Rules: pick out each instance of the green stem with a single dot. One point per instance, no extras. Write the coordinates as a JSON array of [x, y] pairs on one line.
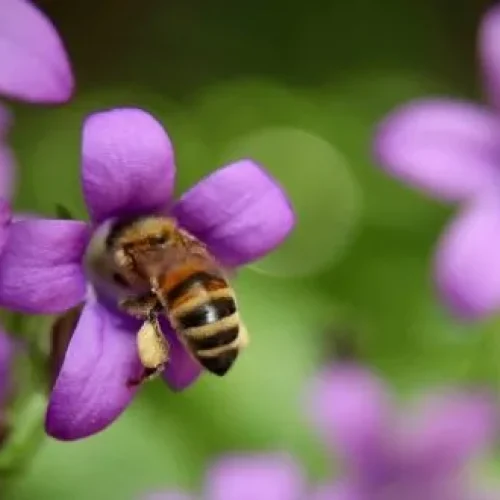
[[485, 363], [25, 412], [25, 436]]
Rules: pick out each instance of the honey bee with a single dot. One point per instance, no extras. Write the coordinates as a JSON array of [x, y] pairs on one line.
[[165, 270]]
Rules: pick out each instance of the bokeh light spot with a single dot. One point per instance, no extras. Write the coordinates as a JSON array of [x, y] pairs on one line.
[[325, 196]]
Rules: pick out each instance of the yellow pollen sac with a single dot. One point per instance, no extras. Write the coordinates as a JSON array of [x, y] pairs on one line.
[[152, 346]]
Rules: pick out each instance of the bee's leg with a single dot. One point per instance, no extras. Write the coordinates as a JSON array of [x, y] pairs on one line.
[[153, 349], [157, 294], [140, 307]]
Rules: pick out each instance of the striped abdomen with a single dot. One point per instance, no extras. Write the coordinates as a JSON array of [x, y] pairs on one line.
[[202, 308]]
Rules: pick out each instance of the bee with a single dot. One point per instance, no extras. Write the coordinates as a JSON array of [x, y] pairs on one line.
[[168, 271]]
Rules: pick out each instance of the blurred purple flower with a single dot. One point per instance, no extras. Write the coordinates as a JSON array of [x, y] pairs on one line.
[[7, 163], [390, 457], [385, 456], [6, 355], [5, 221], [34, 65], [7, 176], [7, 172], [248, 477], [128, 168], [6, 352], [34, 68], [451, 150]]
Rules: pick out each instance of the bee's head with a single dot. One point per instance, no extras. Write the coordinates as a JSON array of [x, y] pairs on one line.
[[146, 246]]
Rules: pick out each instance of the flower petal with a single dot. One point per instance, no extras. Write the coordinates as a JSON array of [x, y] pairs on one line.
[[35, 67], [7, 172], [482, 492], [92, 389], [128, 164], [467, 266], [489, 53], [7, 161], [239, 211], [182, 370], [6, 352], [20, 216], [40, 269], [449, 149], [265, 477], [5, 222], [5, 122], [452, 429], [351, 408], [339, 491]]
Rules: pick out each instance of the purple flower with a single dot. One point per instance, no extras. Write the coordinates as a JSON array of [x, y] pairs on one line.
[[250, 477], [6, 352], [385, 456], [451, 150], [34, 65], [34, 68], [388, 456], [6, 355], [7, 176], [7, 163], [7, 170], [239, 211]]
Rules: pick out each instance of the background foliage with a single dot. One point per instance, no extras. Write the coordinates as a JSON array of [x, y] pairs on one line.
[[300, 88]]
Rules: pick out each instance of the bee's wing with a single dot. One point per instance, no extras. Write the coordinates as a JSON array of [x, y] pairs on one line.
[[229, 272], [197, 248]]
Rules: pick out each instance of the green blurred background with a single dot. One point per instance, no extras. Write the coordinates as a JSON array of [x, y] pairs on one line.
[[298, 87]]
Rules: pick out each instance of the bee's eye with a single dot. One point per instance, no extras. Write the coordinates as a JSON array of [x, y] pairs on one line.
[[119, 279], [157, 240]]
